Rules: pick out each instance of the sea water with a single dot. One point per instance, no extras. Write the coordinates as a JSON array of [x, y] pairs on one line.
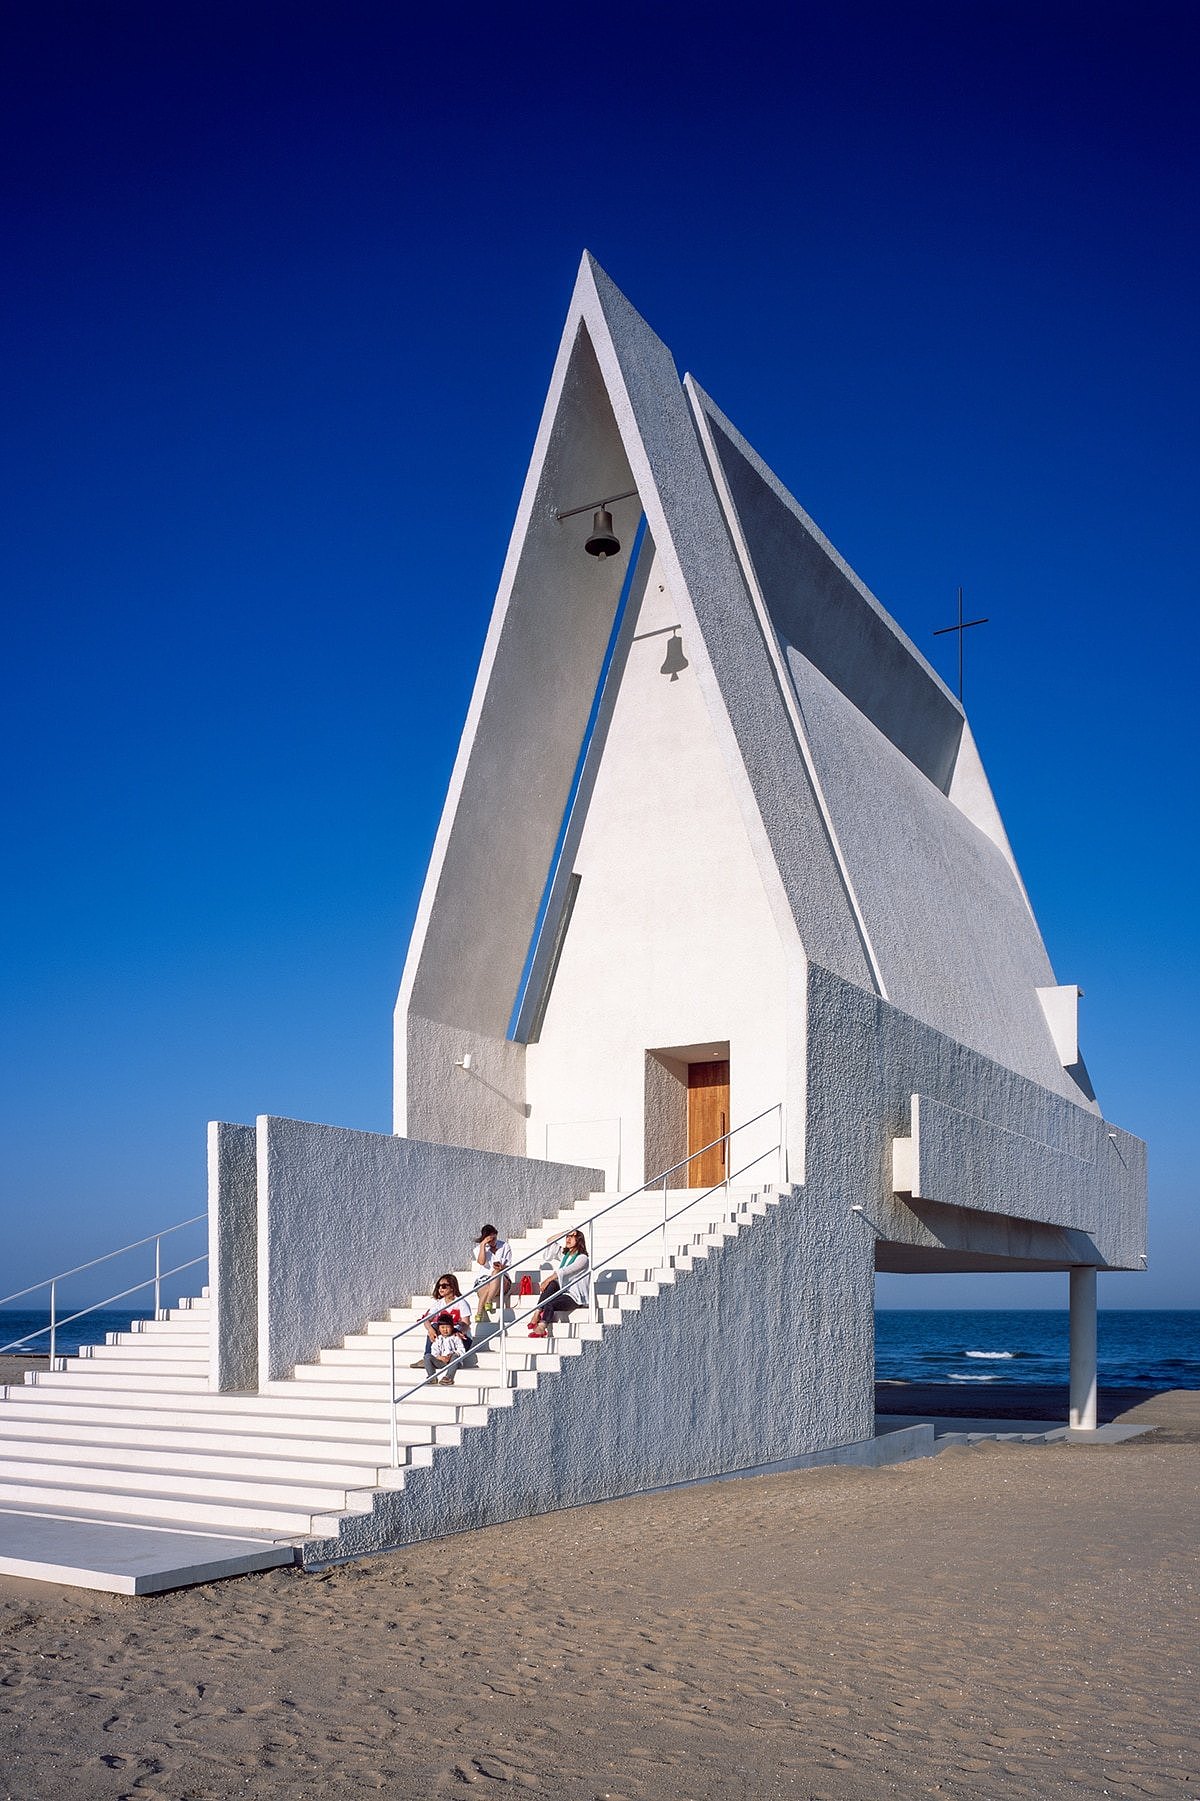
[[1156, 1349], [1136, 1349], [17, 1323]]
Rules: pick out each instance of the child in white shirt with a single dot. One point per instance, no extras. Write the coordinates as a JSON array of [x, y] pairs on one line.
[[442, 1352], [447, 1299]]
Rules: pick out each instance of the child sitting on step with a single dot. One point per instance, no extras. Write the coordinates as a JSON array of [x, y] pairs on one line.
[[442, 1353]]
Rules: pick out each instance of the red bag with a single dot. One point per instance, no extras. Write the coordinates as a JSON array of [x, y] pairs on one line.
[[526, 1285]]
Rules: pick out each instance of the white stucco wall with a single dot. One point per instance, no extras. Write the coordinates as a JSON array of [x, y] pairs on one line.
[[672, 941]]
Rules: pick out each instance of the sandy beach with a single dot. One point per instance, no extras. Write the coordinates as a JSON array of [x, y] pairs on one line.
[[997, 1621]]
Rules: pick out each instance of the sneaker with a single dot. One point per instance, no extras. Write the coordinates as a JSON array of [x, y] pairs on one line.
[[447, 1381], [418, 1363]]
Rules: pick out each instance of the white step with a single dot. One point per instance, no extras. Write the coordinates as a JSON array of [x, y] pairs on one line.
[[161, 1332], [96, 1462], [431, 1404], [290, 1439], [94, 1374], [346, 1378], [155, 1359], [132, 1503], [252, 1485], [282, 1400]]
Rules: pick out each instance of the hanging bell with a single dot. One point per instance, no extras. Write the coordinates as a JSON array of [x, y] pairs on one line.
[[674, 660], [604, 541]]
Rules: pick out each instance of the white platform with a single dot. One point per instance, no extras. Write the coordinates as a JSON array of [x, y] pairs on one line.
[[125, 1558]]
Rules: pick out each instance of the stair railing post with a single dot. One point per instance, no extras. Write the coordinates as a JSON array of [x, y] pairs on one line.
[[395, 1437], [157, 1276], [53, 1312], [503, 1340], [782, 1146], [664, 1250]]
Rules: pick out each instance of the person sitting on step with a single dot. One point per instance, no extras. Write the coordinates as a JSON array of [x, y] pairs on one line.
[[448, 1298], [567, 1289], [489, 1259], [443, 1351]]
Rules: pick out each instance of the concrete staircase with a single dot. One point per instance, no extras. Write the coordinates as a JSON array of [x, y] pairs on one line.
[[122, 1469]]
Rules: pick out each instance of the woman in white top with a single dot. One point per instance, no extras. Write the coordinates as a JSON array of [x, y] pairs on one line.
[[489, 1259], [447, 1299], [567, 1289]]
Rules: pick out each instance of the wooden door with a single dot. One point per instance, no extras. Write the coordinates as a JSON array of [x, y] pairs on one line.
[[708, 1119]]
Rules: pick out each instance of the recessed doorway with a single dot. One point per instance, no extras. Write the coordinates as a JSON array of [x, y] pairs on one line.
[[687, 1109]]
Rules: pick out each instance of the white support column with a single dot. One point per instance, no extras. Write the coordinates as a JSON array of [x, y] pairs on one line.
[[1083, 1347]]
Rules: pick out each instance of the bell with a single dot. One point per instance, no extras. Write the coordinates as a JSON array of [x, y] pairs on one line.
[[674, 660], [604, 541]]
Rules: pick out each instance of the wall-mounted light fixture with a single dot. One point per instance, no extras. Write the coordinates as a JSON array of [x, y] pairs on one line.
[[602, 541], [464, 1062]]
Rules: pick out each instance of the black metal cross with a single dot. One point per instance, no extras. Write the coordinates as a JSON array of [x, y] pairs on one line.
[[964, 625]]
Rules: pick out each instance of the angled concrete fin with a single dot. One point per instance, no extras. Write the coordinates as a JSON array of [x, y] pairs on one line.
[[820, 608]]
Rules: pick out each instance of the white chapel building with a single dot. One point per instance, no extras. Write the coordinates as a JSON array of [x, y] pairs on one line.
[[770, 883], [722, 957]]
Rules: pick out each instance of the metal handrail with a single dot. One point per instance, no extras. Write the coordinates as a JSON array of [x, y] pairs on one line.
[[155, 1281], [594, 1268], [62, 1274]]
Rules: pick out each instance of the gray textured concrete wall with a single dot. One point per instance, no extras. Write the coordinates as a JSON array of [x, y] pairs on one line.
[[483, 1108], [867, 1060], [351, 1223], [948, 919], [668, 1396], [821, 608], [1072, 1172], [232, 1257], [927, 1235]]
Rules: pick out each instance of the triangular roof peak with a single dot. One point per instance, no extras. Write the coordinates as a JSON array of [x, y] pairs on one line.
[[805, 676]]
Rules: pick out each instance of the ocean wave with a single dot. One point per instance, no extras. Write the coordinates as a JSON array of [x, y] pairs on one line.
[[951, 1377], [991, 1353]]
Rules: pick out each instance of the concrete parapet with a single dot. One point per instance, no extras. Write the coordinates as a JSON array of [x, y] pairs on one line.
[[233, 1256]]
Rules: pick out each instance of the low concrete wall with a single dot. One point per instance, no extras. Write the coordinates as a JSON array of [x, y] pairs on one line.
[[1083, 1175], [351, 1224], [232, 1257], [989, 1139], [668, 1396]]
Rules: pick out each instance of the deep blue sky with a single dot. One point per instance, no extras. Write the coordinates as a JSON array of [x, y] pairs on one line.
[[283, 289]]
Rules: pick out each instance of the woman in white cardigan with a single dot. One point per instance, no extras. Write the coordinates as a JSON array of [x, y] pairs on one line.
[[568, 1288]]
